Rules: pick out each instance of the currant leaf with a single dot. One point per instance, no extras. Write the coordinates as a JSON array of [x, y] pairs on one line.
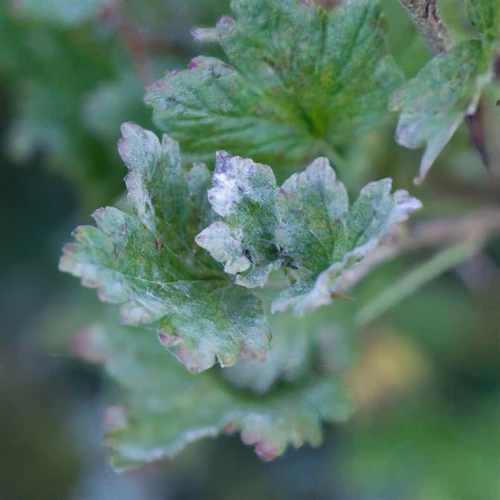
[[306, 225], [435, 102], [299, 79], [167, 407], [145, 259]]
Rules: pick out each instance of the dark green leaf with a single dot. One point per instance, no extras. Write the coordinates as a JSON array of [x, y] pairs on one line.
[[299, 79]]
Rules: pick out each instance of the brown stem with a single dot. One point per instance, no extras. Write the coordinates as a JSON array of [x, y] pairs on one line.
[[478, 226], [430, 24], [475, 122], [135, 41]]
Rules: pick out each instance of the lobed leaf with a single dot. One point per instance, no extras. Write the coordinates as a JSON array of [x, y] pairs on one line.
[[144, 259], [243, 194], [167, 407], [305, 225], [434, 103], [299, 347], [299, 78]]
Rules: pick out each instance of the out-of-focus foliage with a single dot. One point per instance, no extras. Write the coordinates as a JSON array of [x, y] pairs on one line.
[[430, 456], [434, 103], [76, 69], [485, 16], [320, 339], [56, 72], [168, 408], [449, 88]]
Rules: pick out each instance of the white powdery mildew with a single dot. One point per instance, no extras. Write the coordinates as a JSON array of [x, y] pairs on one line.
[[327, 283], [405, 205], [141, 152], [224, 245], [237, 178], [226, 192]]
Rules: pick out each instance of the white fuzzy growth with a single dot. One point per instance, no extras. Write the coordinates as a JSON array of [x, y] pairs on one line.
[[224, 195], [224, 245], [205, 35], [237, 178], [141, 152], [227, 180], [405, 206]]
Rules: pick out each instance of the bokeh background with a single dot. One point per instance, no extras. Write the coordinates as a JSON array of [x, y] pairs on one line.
[[426, 376]]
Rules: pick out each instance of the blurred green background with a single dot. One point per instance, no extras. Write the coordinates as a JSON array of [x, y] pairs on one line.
[[426, 381]]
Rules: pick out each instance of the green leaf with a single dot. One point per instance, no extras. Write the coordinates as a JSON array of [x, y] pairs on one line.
[[306, 225], [485, 16], [299, 79], [434, 103], [167, 407], [145, 260], [244, 195], [300, 345]]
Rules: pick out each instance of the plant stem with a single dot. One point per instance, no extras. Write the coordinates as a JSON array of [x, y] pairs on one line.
[[415, 279], [430, 24], [477, 226]]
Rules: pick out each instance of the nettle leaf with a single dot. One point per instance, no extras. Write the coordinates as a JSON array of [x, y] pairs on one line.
[[434, 103], [306, 225], [485, 16], [145, 259], [167, 407], [299, 78]]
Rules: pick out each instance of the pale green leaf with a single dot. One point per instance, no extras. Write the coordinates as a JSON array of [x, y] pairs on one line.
[[434, 103], [147, 262], [299, 78], [167, 407], [305, 225], [298, 347]]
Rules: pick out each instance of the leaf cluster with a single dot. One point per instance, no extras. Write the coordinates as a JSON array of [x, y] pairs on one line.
[[205, 260]]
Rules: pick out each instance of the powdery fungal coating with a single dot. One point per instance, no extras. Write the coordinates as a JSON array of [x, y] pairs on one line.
[[306, 224], [146, 260]]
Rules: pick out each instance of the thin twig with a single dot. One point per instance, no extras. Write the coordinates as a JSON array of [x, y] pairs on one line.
[[134, 40], [478, 226], [415, 279], [430, 24]]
